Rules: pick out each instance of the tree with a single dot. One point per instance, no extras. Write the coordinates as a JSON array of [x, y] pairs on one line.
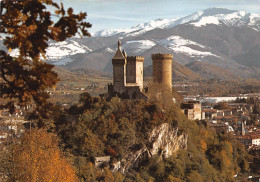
[[222, 106], [119, 177], [88, 172], [36, 157], [173, 179], [107, 175], [194, 176], [27, 26]]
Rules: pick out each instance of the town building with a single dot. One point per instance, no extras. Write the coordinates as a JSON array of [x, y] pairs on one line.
[[192, 110], [249, 139]]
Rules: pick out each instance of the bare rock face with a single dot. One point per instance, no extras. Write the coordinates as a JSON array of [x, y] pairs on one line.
[[163, 141]]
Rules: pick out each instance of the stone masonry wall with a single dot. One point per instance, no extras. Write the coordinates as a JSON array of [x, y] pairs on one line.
[[119, 75]]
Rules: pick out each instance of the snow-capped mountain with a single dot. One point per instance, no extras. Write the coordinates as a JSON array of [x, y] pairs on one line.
[[228, 17], [221, 37], [201, 18], [138, 46], [136, 30], [180, 45], [58, 53]]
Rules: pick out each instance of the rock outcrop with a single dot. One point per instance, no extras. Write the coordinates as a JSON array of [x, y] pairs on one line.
[[163, 141]]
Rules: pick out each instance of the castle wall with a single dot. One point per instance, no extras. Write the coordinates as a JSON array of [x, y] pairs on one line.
[[134, 92], [162, 70]]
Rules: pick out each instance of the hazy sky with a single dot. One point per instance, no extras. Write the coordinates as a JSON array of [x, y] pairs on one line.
[[117, 14]]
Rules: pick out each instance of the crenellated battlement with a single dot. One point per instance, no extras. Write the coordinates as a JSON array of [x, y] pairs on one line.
[[162, 56], [135, 58]]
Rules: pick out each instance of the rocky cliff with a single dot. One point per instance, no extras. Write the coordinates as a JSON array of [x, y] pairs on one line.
[[163, 141]]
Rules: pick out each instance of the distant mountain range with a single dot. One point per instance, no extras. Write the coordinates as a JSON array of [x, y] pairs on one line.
[[214, 43]]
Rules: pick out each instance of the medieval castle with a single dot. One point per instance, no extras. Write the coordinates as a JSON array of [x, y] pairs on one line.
[[128, 75]]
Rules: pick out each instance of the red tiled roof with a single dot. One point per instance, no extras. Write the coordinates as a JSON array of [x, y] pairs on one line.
[[209, 110]]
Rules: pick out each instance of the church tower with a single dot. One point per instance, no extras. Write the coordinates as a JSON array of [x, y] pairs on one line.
[[243, 130], [119, 70]]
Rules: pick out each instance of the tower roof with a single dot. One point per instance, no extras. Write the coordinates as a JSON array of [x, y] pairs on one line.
[[124, 53], [119, 54]]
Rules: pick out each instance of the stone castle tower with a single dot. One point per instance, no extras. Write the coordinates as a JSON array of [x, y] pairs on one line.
[[134, 70], [128, 75], [119, 70], [162, 70]]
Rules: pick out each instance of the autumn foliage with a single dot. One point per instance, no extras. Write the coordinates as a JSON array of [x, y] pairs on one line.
[[36, 157], [118, 127]]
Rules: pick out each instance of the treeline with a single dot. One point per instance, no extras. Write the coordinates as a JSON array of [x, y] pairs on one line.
[[215, 87]]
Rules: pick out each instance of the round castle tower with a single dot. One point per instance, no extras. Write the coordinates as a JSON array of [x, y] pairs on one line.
[[162, 69]]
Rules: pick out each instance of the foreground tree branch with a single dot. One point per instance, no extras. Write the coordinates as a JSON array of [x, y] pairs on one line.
[[27, 26]]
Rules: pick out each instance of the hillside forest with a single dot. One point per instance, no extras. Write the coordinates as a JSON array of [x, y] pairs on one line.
[[96, 127]]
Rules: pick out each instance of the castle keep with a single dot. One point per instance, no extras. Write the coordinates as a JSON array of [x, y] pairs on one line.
[[162, 70], [128, 74]]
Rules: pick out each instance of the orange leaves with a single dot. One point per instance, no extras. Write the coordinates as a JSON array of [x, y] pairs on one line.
[[111, 151], [173, 179], [203, 145], [225, 161], [37, 157], [107, 175], [32, 27], [204, 133]]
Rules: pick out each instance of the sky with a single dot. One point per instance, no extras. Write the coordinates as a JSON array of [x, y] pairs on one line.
[[121, 14]]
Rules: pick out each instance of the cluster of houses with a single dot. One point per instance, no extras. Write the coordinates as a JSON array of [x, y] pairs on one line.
[[238, 118], [11, 124]]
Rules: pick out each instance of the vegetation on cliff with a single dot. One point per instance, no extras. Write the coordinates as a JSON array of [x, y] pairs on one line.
[[96, 127]]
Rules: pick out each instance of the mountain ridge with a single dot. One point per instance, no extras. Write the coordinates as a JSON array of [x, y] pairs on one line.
[[219, 37], [170, 23]]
